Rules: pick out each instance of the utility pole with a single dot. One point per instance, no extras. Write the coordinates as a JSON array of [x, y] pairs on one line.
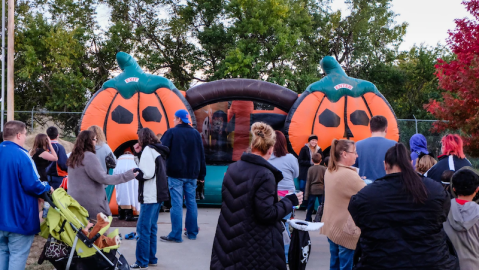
[[3, 64], [11, 52]]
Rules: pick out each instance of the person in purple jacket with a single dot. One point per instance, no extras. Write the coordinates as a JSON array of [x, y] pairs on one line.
[[20, 188]]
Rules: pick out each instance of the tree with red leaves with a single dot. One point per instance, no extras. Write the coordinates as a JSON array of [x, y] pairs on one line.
[[460, 80]]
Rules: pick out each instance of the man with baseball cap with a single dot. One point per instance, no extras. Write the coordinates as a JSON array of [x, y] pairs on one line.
[[184, 167]]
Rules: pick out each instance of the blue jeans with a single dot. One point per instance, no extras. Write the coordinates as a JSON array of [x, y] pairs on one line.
[[286, 247], [55, 181], [311, 201], [178, 187], [146, 229], [302, 185], [341, 257], [14, 250]]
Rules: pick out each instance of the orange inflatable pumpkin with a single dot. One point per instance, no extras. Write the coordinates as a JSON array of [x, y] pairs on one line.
[[131, 101], [337, 107]]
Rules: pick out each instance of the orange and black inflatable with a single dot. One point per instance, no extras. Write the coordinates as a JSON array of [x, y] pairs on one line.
[[131, 101], [337, 107]]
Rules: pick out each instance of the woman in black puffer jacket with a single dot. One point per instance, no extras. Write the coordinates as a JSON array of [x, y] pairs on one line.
[[401, 219], [249, 231]]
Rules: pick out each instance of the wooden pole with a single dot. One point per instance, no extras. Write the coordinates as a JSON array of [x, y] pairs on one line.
[[3, 64], [10, 54]]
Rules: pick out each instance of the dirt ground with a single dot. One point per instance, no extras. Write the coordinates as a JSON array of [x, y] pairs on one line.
[[35, 251]]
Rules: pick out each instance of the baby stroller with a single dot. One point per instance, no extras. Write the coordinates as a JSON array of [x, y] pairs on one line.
[[63, 228]]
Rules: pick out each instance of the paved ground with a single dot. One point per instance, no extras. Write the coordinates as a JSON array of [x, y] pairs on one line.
[[192, 255]]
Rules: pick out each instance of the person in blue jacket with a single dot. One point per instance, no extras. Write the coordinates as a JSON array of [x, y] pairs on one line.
[[20, 188], [184, 167], [57, 170]]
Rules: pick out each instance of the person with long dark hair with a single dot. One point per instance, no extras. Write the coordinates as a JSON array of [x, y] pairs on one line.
[[86, 177], [42, 154], [152, 191], [401, 218]]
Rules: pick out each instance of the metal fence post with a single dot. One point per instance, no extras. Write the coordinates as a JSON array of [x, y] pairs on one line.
[[415, 121], [32, 118]]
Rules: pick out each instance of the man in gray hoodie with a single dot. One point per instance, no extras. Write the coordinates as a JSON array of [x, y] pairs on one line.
[[462, 225]]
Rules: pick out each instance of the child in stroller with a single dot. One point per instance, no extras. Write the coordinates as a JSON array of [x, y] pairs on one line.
[[65, 224]]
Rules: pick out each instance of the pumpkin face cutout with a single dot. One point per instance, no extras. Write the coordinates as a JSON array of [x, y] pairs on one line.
[[131, 101], [337, 107]]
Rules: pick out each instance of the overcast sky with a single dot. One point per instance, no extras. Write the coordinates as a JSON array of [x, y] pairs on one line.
[[429, 20]]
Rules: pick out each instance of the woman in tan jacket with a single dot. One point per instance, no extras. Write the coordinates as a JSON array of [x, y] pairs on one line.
[[341, 181]]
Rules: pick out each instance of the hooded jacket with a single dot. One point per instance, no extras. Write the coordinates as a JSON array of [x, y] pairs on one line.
[[249, 231], [304, 160], [153, 183], [462, 227], [418, 145]]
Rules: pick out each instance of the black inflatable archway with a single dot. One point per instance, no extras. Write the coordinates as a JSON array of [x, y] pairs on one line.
[[241, 89]]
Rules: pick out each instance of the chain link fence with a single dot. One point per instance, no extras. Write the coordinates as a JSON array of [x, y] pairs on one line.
[[67, 122]]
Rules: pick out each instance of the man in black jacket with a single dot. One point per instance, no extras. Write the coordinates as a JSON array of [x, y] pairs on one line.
[[184, 167]]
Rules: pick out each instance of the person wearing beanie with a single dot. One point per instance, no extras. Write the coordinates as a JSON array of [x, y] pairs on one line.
[[185, 166], [305, 159]]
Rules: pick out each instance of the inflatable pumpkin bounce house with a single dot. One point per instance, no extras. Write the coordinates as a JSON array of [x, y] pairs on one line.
[[223, 111]]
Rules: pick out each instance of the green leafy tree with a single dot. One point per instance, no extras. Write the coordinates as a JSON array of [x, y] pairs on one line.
[[367, 36], [49, 69], [409, 82]]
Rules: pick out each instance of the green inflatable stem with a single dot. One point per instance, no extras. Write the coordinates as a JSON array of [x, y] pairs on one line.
[[337, 84], [133, 79]]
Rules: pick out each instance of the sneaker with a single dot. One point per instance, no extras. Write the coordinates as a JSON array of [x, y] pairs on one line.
[[153, 264], [186, 234], [136, 266], [166, 239]]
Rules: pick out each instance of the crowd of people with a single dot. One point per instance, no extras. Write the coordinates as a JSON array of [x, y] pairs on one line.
[[383, 205]]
